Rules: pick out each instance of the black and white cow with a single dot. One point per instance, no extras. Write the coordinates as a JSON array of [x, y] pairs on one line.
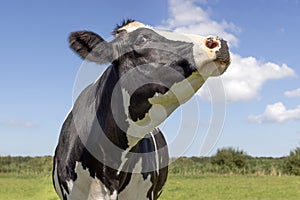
[[109, 147]]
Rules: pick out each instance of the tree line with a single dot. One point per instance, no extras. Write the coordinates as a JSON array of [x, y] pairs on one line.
[[226, 161], [237, 162], [26, 165]]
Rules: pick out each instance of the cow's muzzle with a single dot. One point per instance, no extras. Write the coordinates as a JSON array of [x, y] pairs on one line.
[[219, 49]]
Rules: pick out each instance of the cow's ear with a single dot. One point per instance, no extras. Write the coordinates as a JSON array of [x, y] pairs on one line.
[[91, 46]]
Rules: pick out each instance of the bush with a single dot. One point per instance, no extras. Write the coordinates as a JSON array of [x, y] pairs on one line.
[[293, 162], [231, 160]]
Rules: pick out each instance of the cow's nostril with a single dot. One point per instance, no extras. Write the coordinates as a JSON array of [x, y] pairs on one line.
[[211, 44]]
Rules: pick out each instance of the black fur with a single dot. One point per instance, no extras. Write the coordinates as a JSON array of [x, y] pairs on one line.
[[160, 63]]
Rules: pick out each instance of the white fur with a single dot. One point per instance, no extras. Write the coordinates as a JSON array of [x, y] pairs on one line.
[[124, 160], [140, 128], [203, 55], [134, 26], [86, 187], [137, 188], [179, 92], [156, 152], [162, 106]]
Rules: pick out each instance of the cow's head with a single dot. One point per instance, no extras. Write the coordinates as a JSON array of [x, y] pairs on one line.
[[158, 70]]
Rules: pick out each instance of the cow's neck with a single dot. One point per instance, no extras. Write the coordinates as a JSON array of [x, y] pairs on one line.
[[162, 105], [110, 110], [113, 102]]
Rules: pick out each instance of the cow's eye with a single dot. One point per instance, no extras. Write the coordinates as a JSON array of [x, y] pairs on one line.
[[141, 40]]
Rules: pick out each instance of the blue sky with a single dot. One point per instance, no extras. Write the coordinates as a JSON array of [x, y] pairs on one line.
[[38, 70]]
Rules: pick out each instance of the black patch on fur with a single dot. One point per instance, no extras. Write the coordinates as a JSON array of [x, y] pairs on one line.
[[139, 100]]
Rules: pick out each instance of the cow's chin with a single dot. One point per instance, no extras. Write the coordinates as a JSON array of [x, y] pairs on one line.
[[215, 68]]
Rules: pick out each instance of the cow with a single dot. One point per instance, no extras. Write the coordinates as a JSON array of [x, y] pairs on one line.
[[109, 146]]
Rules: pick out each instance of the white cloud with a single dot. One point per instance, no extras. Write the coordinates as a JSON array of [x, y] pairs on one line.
[[17, 123], [293, 93], [186, 17], [276, 113], [246, 75]]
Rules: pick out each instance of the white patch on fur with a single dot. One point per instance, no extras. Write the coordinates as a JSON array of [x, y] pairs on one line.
[[114, 196], [133, 26], [162, 106], [124, 160], [137, 187], [179, 92], [126, 101], [204, 57], [156, 152], [86, 187], [140, 128], [137, 130]]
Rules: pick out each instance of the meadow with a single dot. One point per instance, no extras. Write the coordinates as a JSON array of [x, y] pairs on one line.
[[178, 187], [230, 174], [221, 187]]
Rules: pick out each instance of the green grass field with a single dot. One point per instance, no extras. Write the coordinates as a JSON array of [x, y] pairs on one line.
[[25, 187], [217, 187], [196, 187]]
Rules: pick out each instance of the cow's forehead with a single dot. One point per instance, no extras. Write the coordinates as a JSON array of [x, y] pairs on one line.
[[132, 26]]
